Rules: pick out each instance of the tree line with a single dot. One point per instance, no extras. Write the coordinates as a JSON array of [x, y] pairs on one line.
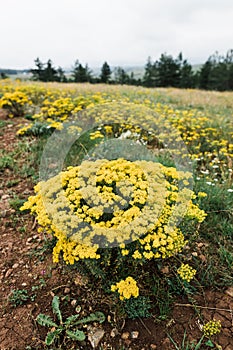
[[215, 74]]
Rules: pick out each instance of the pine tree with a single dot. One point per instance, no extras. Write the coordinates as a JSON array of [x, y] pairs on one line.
[[121, 77], [105, 73], [50, 73], [204, 76], [37, 73], [3, 75], [186, 75], [151, 74], [169, 71], [81, 74], [61, 75], [230, 76]]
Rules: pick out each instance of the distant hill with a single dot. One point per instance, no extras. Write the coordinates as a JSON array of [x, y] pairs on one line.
[[196, 67], [137, 70], [13, 71]]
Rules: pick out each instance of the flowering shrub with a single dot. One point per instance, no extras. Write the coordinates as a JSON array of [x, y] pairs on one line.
[[126, 288], [15, 103], [60, 109], [39, 128], [120, 204], [186, 272]]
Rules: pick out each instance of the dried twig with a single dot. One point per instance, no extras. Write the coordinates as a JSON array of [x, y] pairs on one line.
[[204, 307], [145, 326], [34, 224]]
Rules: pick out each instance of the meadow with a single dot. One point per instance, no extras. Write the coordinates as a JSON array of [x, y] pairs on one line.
[[116, 217]]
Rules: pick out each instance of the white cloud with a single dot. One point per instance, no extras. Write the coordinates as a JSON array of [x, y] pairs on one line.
[[121, 32]]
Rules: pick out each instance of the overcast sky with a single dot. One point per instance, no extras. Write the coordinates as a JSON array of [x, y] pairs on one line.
[[123, 32]]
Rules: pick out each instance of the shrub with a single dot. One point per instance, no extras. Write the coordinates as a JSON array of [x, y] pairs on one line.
[[129, 207], [15, 103]]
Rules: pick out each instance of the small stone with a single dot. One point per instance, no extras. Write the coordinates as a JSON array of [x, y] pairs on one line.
[[166, 342], [95, 335], [78, 309], [3, 213], [80, 281], [114, 333], [125, 335], [66, 290], [194, 254], [15, 266], [203, 258], [5, 196], [8, 273], [165, 270], [134, 334], [153, 346], [127, 343], [23, 284], [229, 292], [52, 165], [73, 303]]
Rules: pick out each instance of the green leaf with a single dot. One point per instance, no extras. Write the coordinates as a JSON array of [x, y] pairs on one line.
[[209, 343], [198, 346], [76, 335], [71, 319], [45, 320], [97, 316], [56, 308], [51, 336]]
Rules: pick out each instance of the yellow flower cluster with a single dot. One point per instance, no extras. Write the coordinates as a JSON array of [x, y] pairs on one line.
[[186, 272], [96, 135], [126, 288], [208, 143], [193, 212], [202, 194], [71, 250], [113, 203], [60, 109], [15, 103], [211, 328], [24, 130]]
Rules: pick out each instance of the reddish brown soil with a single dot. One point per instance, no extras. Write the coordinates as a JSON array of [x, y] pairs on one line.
[[23, 265]]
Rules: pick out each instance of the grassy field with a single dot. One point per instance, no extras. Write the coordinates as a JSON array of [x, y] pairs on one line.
[[133, 280]]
